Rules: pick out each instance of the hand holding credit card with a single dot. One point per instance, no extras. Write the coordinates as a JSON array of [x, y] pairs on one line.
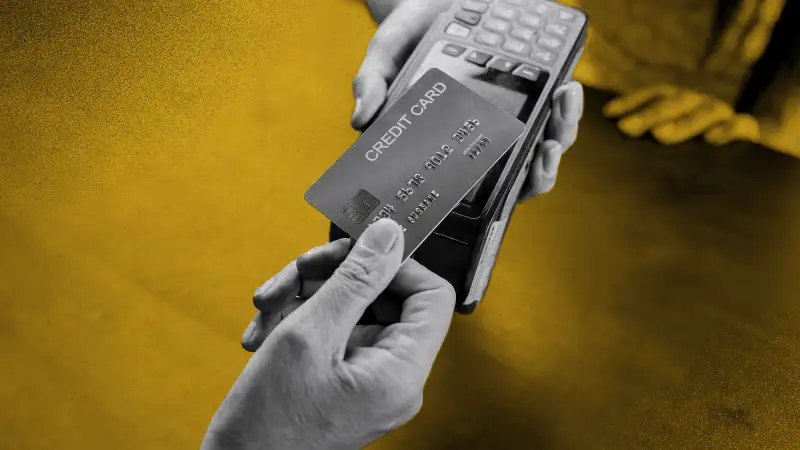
[[417, 161]]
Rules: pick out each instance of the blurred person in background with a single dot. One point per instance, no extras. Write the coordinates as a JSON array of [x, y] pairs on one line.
[[725, 70]]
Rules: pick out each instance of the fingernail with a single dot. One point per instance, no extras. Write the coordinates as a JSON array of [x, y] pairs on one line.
[[570, 103], [381, 236], [249, 331], [357, 111]]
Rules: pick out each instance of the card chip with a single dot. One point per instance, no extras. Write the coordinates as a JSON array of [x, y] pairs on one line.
[[360, 206]]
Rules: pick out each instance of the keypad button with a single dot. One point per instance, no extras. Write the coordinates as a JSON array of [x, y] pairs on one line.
[[549, 42], [478, 58], [516, 2], [538, 7], [514, 46], [531, 21], [468, 17], [453, 50], [523, 34], [557, 29], [502, 64], [528, 72], [543, 56], [497, 25], [566, 15], [486, 1], [475, 6], [490, 39], [457, 30], [505, 12]]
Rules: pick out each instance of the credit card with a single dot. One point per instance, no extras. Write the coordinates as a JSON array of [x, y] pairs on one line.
[[417, 161]]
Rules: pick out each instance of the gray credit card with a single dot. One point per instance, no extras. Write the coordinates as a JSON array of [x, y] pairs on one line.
[[417, 161]]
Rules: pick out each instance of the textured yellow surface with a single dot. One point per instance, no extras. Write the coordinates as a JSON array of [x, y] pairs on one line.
[[638, 44], [152, 166], [152, 169]]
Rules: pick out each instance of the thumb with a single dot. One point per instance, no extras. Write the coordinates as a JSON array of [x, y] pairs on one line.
[[366, 272], [386, 54]]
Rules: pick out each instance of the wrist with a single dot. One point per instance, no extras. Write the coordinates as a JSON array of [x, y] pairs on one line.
[[220, 439]]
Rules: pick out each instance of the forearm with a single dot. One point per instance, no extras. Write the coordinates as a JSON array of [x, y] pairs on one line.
[[218, 440]]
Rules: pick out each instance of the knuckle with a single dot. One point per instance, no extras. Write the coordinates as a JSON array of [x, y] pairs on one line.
[[545, 184], [356, 275], [441, 288], [408, 406], [447, 292], [292, 342], [348, 383], [380, 40]]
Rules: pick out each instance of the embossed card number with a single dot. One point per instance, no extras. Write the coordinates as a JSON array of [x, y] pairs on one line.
[[417, 160]]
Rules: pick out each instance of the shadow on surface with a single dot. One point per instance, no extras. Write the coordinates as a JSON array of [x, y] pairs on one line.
[[662, 310]]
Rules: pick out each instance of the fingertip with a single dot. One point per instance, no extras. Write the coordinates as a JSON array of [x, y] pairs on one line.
[[715, 139], [748, 126], [382, 237], [613, 108], [263, 289], [560, 91], [248, 341], [449, 294], [320, 262], [369, 89], [551, 156], [359, 121], [576, 89], [356, 118], [740, 128], [249, 345], [668, 134], [632, 126], [568, 103], [249, 331], [281, 288], [719, 134], [256, 333]]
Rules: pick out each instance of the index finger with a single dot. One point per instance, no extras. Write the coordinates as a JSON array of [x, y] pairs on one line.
[[316, 264], [562, 125], [425, 320], [626, 103], [386, 54]]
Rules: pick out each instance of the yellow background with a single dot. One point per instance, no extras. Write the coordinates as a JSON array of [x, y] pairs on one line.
[[154, 160], [152, 170]]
